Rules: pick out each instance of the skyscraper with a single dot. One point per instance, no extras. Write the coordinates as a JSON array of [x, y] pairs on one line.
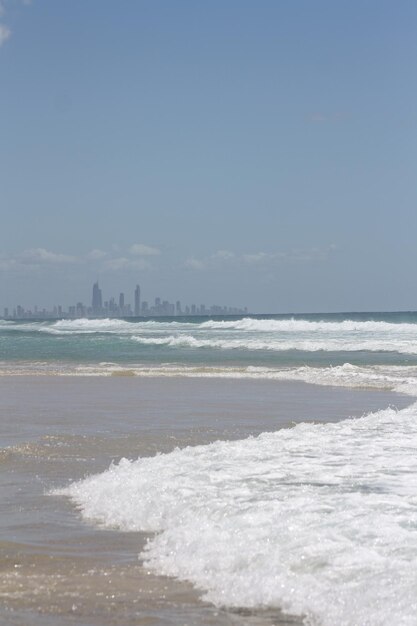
[[137, 301], [97, 302]]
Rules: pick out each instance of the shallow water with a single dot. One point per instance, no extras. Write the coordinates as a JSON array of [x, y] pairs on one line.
[[58, 569]]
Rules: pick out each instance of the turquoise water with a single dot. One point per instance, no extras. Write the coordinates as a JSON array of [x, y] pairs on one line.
[[270, 341]]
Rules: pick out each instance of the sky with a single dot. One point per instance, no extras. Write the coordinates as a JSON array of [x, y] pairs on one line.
[[240, 152]]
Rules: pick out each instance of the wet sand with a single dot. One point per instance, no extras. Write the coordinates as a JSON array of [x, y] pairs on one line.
[[57, 570]]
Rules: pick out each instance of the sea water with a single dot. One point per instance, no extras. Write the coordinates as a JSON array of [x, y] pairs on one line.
[[319, 520]]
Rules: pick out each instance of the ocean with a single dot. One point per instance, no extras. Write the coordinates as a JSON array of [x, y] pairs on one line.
[[253, 470]]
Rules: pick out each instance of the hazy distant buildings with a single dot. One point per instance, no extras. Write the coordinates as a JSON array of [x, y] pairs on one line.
[[137, 301], [97, 302], [119, 308]]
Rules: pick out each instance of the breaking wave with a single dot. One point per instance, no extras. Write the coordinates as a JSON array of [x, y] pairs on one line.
[[319, 520], [245, 334], [285, 344]]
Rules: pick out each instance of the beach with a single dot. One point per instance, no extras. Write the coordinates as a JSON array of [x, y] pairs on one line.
[[60, 569], [208, 324]]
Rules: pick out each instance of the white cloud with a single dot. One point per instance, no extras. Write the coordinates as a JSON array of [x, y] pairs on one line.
[[5, 33], [139, 249], [195, 264], [257, 257], [223, 258], [37, 256], [123, 263], [223, 254], [96, 254], [34, 259], [215, 260]]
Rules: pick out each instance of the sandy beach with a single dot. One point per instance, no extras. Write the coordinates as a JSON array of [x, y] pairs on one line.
[[57, 569]]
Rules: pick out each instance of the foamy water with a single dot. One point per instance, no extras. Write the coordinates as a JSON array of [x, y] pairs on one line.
[[320, 520]]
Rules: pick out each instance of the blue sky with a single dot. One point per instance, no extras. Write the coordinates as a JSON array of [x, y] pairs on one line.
[[232, 151]]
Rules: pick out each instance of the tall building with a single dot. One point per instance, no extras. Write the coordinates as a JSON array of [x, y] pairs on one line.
[[137, 301], [121, 303], [97, 302]]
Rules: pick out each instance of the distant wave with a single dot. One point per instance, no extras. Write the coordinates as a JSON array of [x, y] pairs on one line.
[[251, 325], [244, 334], [313, 344], [248, 334], [92, 326], [300, 325], [319, 520], [111, 326]]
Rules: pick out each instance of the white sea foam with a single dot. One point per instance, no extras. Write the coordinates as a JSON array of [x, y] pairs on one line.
[[320, 520], [300, 325], [278, 344], [190, 341], [245, 334], [112, 326], [402, 379], [93, 326]]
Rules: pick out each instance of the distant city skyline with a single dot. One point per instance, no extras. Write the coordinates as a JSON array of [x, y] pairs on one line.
[[119, 307]]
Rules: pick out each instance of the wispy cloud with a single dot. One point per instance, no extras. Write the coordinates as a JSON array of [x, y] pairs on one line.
[[141, 253], [36, 258], [5, 33], [258, 257], [40, 256], [226, 255], [124, 263], [226, 258], [140, 249], [96, 254], [195, 264], [137, 257]]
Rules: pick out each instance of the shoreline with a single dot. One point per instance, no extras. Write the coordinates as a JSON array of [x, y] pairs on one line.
[[183, 406]]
